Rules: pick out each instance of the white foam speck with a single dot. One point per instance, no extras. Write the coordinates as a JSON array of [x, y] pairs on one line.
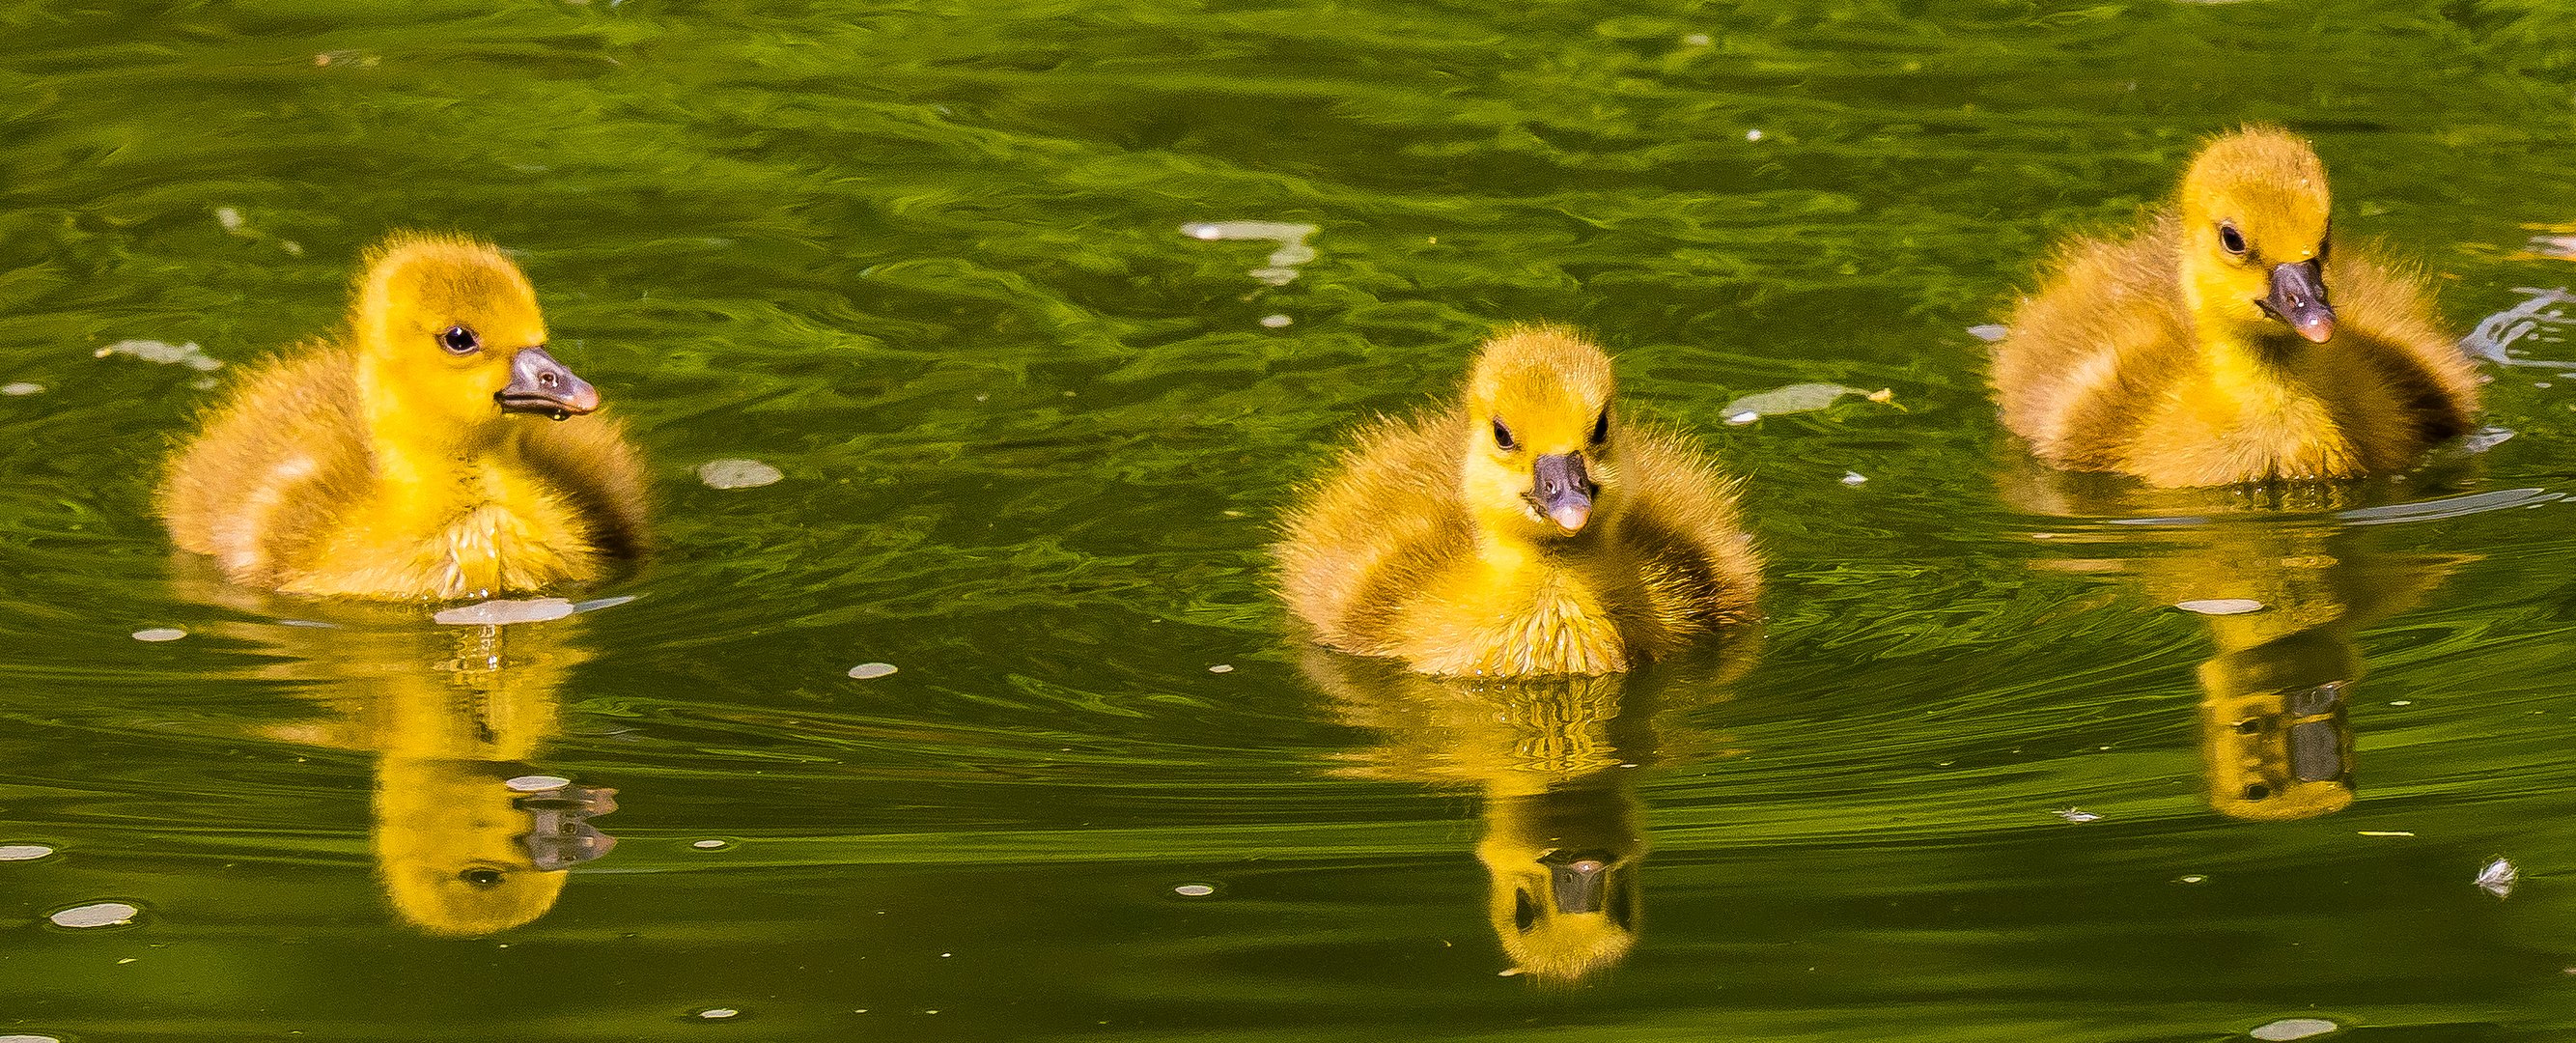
[[228, 217], [710, 845], [1854, 478], [23, 852], [157, 634], [1698, 40], [2078, 816], [1741, 419], [1281, 267], [737, 474], [501, 611], [537, 783], [21, 389], [871, 671], [29, 1039], [189, 354], [101, 914], [2498, 877], [1276, 321], [1221, 668], [1989, 333], [1753, 135], [1194, 890], [2293, 1028], [719, 1013], [2220, 606], [1795, 398]]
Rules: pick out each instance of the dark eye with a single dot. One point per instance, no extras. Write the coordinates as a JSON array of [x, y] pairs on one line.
[[2232, 239], [480, 877], [459, 341], [1503, 437], [1601, 428]]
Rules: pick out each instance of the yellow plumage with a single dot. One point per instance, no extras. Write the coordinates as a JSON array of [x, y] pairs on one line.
[[2230, 341], [1589, 543], [386, 465]]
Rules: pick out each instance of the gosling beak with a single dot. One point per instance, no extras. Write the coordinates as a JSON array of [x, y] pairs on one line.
[[539, 384], [2299, 298], [1562, 491], [1580, 880]]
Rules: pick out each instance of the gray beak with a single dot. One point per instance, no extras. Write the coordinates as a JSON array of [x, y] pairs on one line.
[[1563, 491], [539, 384], [2299, 298], [1581, 880]]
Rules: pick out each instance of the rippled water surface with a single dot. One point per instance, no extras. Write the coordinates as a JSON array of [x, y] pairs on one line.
[[1039, 311]]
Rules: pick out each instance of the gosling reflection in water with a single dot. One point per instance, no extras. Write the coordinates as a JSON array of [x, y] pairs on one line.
[[2284, 600], [470, 837], [1564, 841]]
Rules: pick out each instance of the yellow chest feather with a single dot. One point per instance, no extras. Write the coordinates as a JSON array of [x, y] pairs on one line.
[[1514, 616], [487, 530]]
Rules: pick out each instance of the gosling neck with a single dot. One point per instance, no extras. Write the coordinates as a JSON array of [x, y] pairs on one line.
[[2251, 358], [416, 445], [1507, 543]]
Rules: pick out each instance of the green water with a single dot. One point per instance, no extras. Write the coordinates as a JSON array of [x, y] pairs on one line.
[[928, 261]]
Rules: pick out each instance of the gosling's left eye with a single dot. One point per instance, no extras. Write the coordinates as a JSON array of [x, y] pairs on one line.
[[1503, 437], [1601, 428], [2232, 239], [459, 341]]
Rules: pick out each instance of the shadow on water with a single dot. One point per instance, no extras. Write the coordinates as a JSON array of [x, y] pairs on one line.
[[2285, 578], [470, 836], [1555, 762]]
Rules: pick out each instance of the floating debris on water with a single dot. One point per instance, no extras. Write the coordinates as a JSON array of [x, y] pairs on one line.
[[2486, 438], [719, 1013], [2447, 507], [1276, 321], [2078, 816], [99, 914], [1221, 668], [2498, 877], [1741, 419], [1194, 890], [502, 611], [2385, 832], [2293, 1028], [2193, 878], [1697, 39], [157, 634], [1795, 398], [2221, 606], [1883, 396], [228, 217], [1989, 332], [23, 852], [21, 389], [711, 844], [737, 474], [1854, 478], [2496, 335], [2562, 247], [871, 671], [189, 354], [537, 783], [1753, 135], [1281, 267]]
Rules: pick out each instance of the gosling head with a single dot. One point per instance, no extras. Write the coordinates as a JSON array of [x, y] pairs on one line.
[[2254, 234], [450, 340], [1539, 434]]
